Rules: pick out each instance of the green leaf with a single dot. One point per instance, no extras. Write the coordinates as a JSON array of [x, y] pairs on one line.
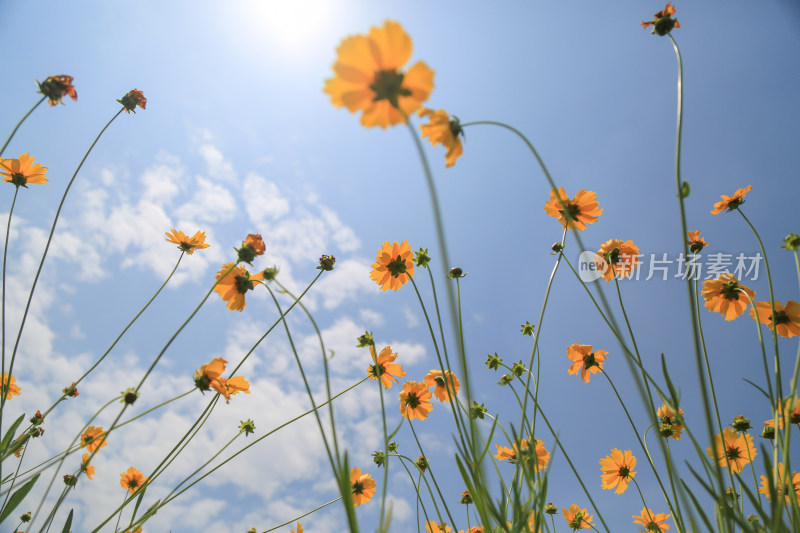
[[685, 189], [68, 523], [10, 433], [17, 498]]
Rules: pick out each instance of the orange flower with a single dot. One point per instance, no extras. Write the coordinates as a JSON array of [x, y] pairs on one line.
[[695, 242], [86, 468], [433, 527], [93, 438], [255, 242], [210, 377], [732, 202], [385, 367], [585, 360], [724, 296], [187, 244], [780, 487], [524, 453], [233, 285], [616, 257], [434, 379], [504, 453], [441, 129], [651, 521], [578, 213], [618, 470], [299, 528], [787, 318], [57, 87], [792, 407], [666, 415], [415, 400], [577, 518], [132, 99], [662, 21], [132, 479], [22, 171], [393, 266], [9, 386], [368, 77], [738, 449], [363, 487]]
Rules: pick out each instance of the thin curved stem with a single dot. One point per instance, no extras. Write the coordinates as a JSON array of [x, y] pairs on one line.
[[14, 131]]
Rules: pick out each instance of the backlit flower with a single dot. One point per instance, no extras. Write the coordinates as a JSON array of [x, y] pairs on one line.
[[522, 452], [442, 388], [779, 486], [616, 257], [255, 242], [433, 527], [724, 296], [652, 521], [393, 266], [792, 409], [132, 99], [385, 367], [86, 468], [696, 242], [666, 415], [209, 376], [93, 438], [585, 360], [618, 470], [22, 171], [442, 129], [738, 450], [368, 77], [730, 202], [363, 487], [415, 400], [57, 87], [299, 528], [132, 479], [662, 21], [9, 386], [786, 319], [577, 518], [233, 285], [187, 244], [578, 213]]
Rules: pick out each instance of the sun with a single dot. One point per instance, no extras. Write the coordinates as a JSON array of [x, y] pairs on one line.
[[292, 25]]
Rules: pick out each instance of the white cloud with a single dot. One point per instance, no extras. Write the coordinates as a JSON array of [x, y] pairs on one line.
[[219, 168], [263, 200]]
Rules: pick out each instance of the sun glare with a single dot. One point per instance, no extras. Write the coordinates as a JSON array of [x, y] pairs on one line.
[[290, 24]]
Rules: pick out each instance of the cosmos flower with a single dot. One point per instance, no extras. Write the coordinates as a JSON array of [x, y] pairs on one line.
[[385, 367], [363, 486], [434, 379], [433, 527], [738, 449], [696, 242], [577, 518], [578, 213], [787, 318], [616, 257], [233, 285], [22, 171], [523, 453], [93, 438], [187, 244], [55, 88], [585, 360], [780, 486], [134, 98], [730, 202], [86, 468], [442, 129], [651, 521], [132, 479], [9, 386], [724, 296], [393, 266], [666, 416], [618, 470], [662, 21], [415, 400]]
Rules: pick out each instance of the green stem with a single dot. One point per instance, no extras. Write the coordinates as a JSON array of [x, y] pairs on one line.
[[14, 131], [3, 320], [302, 515], [435, 484]]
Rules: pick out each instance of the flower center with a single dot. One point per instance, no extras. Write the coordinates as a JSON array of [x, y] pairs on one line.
[[652, 526], [571, 212], [730, 291], [589, 361], [624, 472], [358, 487], [376, 370], [733, 453], [19, 179], [397, 266], [412, 400], [243, 283], [780, 318], [439, 381], [612, 257], [388, 85]]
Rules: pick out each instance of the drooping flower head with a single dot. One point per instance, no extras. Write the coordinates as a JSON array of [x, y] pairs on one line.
[[730, 202], [132, 479], [234, 285], [616, 258], [393, 266], [251, 247], [577, 518], [93, 438], [584, 359], [443, 129], [435, 379], [738, 450], [696, 242], [134, 98], [363, 487], [209, 376], [185, 243], [671, 425], [368, 77], [779, 485], [86, 468], [724, 296], [22, 171], [618, 470], [662, 21], [415, 400], [9, 386], [786, 320], [57, 87], [577, 213], [538, 457], [385, 367], [651, 521]]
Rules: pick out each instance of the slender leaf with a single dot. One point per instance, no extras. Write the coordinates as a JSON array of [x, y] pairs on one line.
[[68, 524], [17, 498]]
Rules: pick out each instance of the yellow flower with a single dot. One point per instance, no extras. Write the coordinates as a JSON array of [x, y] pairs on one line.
[[93, 438], [57, 87], [579, 213], [738, 450], [623, 256], [393, 266], [585, 360], [209, 376], [9, 386], [188, 244], [780, 486], [618, 470], [363, 487], [723, 295], [233, 285], [696, 242], [368, 77], [433, 527], [434, 379], [299, 528], [134, 98], [132, 479], [415, 400], [385, 367], [666, 415], [442, 129], [652, 521], [730, 202], [787, 318], [86, 468], [577, 518], [523, 452], [22, 171]]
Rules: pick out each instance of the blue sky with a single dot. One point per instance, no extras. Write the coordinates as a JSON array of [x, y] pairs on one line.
[[238, 137]]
